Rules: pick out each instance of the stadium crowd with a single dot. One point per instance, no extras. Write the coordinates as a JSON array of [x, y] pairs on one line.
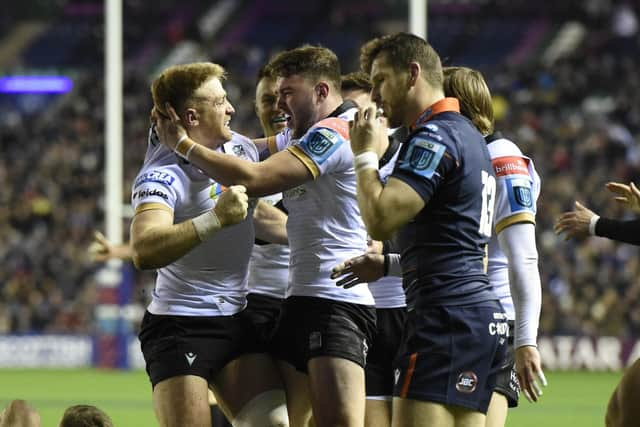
[[578, 117]]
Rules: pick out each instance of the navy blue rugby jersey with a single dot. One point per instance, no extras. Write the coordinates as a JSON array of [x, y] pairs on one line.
[[446, 161]]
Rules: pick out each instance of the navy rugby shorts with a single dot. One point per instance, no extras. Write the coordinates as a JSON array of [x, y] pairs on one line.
[[452, 354]]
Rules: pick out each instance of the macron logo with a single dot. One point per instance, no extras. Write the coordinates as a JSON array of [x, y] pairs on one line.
[[190, 357]]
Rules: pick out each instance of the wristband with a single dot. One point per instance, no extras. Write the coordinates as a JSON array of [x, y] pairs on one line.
[[366, 160], [592, 224], [206, 224], [184, 146]]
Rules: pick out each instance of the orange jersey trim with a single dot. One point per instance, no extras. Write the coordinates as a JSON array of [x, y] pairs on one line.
[[407, 379], [339, 125], [445, 104]]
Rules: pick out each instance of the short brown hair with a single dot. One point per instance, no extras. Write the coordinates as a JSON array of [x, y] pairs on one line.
[[358, 80], [401, 49], [472, 91], [85, 416], [177, 83], [312, 62]]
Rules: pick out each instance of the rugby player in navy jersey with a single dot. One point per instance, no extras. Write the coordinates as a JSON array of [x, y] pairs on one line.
[[439, 204]]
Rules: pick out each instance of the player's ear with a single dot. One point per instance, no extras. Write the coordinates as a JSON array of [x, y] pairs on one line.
[[191, 117], [414, 73], [322, 90]]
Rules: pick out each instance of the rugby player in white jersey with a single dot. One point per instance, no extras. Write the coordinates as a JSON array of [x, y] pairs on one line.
[[387, 291], [269, 265], [195, 334], [513, 257], [324, 331]]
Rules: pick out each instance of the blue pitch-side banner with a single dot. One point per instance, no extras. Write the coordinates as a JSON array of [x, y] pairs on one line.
[[564, 353]]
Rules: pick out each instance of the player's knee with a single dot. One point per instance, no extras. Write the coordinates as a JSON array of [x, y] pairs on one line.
[[267, 409]]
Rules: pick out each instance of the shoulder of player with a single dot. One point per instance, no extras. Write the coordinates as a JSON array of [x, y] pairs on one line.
[[503, 147], [337, 125], [241, 146]]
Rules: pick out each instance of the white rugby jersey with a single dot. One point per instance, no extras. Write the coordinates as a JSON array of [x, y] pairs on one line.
[[211, 279], [388, 292], [324, 225], [517, 190], [269, 266]]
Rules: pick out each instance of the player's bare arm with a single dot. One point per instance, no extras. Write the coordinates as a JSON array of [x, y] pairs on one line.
[[156, 241], [101, 249], [276, 174], [384, 209], [270, 223]]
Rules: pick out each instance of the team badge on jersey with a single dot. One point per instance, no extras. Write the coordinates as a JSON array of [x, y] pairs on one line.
[[238, 150], [423, 157], [520, 197], [320, 143]]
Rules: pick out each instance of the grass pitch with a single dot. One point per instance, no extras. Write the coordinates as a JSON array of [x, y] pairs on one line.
[[572, 398]]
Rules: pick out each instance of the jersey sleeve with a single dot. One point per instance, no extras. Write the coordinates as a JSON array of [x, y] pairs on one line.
[[515, 191], [156, 188], [325, 147], [425, 161]]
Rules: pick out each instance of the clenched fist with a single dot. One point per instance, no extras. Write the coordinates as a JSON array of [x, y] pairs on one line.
[[232, 205]]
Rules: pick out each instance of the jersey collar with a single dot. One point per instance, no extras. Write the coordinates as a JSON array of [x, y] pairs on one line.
[[444, 105], [493, 137]]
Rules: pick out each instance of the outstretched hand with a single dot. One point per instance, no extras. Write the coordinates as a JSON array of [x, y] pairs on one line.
[[628, 195], [575, 223], [530, 372], [361, 269]]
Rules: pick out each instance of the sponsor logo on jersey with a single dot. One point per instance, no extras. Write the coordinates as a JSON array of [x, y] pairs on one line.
[[148, 193], [320, 143], [422, 157], [155, 176], [467, 382], [510, 165]]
